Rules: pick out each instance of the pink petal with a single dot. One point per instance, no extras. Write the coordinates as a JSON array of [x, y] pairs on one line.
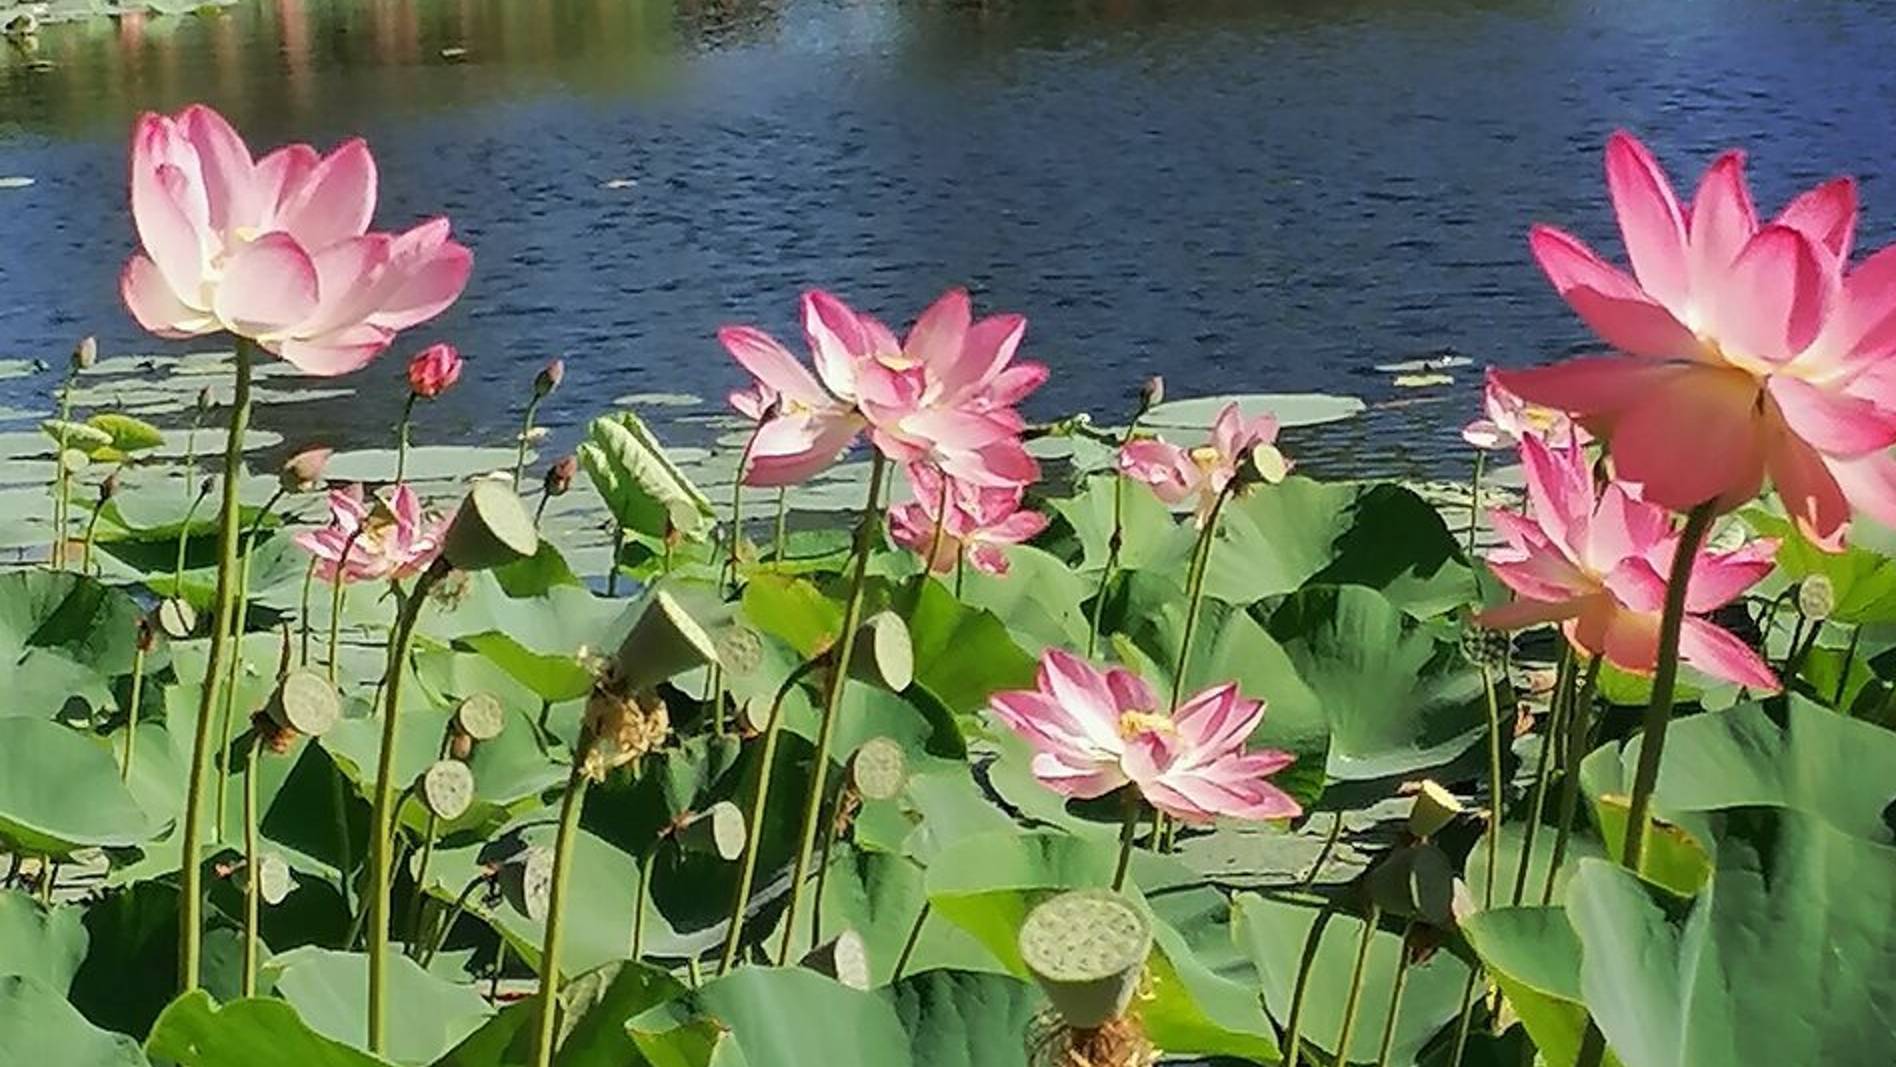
[[790, 449], [1602, 386], [1826, 214], [1485, 435], [1520, 614], [1773, 301], [1003, 463], [1831, 421], [1624, 315], [1559, 487], [1082, 692], [1639, 584], [351, 277], [1130, 692], [1163, 466], [1869, 484], [1012, 385], [1016, 528], [269, 286], [1812, 497], [1043, 723], [1861, 332], [1543, 576], [1649, 220], [150, 300], [1083, 783], [1723, 219], [990, 346], [1722, 459], [173, 241], [989, 559], [331, 355], [836, 340], [937, 339], [1718, 578], [1632, 641], [334, 201], [772, 364], [279, 174], [426, 272], [1715, 651], [230, 185], [1623, 527], [1217, 720]]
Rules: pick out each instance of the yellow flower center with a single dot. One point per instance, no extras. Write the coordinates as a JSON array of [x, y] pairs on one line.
[[1134, 723], [1204, 456]]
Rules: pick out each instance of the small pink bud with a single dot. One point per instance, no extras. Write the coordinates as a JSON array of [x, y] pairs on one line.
[[304, 471], [434, 370], [559, 477], [87, 354], [549, 377]]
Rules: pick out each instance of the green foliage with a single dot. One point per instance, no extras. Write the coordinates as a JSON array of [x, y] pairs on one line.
[[643, 489]]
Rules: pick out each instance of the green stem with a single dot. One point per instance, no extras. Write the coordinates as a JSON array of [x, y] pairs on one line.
[[1652, 745], [184, 540], [309, 581], [1543, 765], [556, 904], [1354, 998], [1293, 1026], [454, 915], [131, 711], [1323, 854], [382, 821], [401, 443], [1128, 829], [1843, 673], [941, 528], [1474, 502], [612, 565], [191, 887], [1396, 988], [783, 516], [420, 896], [343, 866], [737, 534], [1801, 651], [641, 900], [832, 705], [228, 706], [92, 528], [1195, 592], [253, 878], [1797, 642], [338, 587], [747, 872], [526, 434], [833, 827], [908, 947], [1579, 710], [1114, 543], [62, 478], [1496, 795]]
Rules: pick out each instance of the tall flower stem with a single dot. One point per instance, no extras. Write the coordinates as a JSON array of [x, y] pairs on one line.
[[1843, 673], [382, 821], [1496, 787], [1128, 829], [1557, 712], [131, 711], [309, 583], [401, 443], [1293, 1025], [1115, 543], [640, 899], [941, 529], [1353, 999], [1665, 677], [253, 876], [1579, 714], [1195, 592], [526, 435], [737, 535], [191, 881], [570, 806], [747, 871], [1396, 989], [184, 539], [866, 530], [783, 515], [612, 563], [1474, 501], [62, 476], [229, 706], [338, 588]]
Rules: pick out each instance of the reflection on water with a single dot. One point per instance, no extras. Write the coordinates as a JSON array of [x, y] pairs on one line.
[[1242, 194]]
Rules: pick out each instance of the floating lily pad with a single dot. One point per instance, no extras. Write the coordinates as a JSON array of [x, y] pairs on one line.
[[15, 182], [425, 463], [1290, 409]]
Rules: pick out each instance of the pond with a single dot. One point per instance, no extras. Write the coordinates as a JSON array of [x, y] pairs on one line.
[[1243, 196]]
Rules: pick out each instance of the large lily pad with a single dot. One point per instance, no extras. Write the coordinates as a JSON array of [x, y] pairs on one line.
[[330, 991], [60, 791], [1290, 409], [195, 1032], [645, 491], [38, 942], [38, 1028], [62, 638]]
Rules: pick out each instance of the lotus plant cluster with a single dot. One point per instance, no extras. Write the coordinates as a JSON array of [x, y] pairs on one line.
[[1025, 724]]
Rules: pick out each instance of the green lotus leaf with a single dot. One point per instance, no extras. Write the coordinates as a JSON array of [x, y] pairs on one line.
[[38, 1026], [1290, 409], [330, 992], [39, 942], [195, 1032], [128, 436], [642, 487], [60, 791]]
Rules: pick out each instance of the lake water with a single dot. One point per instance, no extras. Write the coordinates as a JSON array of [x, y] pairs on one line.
[[1242, 195]]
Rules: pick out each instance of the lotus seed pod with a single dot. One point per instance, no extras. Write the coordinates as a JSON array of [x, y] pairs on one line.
[[491, 529], [716, 831], [884, 654], [274, 878], [177, 618], [844, 958], [1435, 807], [481, 716], [74, 460], [1816, 598], [1415, 882], [447, 789], [1087, 949], [665, 641], [740, 649], [1269, 464], [879, 769], [1485, 647], [86, 354], [527, 882], [305, 702]]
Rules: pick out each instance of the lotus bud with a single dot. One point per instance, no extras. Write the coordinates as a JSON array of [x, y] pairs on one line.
[[549, 378], [559, 477], [716, 831], [1816, 598], [491, 529], [205, 401], [204, 487], [1435, 807], [86, 354], [1152, 394], [147, 638], [109, 487], [303, 472], [844, 958], [663, 642], [1087, 950]]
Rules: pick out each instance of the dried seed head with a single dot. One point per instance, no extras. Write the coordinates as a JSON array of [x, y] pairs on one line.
[[271, 734], [622, 729], [109, 487], [1816, 598]]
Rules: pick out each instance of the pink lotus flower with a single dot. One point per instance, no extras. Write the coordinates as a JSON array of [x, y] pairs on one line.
[[378, 539], [434, 370], [809, 426], [1095, 730], [980, 521], [1746, 350], [278, 249], [1597, 564], [1177, 475], [1509, 420]]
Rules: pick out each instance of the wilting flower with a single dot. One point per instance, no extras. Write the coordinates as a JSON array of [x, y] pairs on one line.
[[979, 521], [1095, 730], [434, 370], [1508, 419], [1746, 350], [278, 249], [374, 539], [1596, 563], [1177, 475]]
